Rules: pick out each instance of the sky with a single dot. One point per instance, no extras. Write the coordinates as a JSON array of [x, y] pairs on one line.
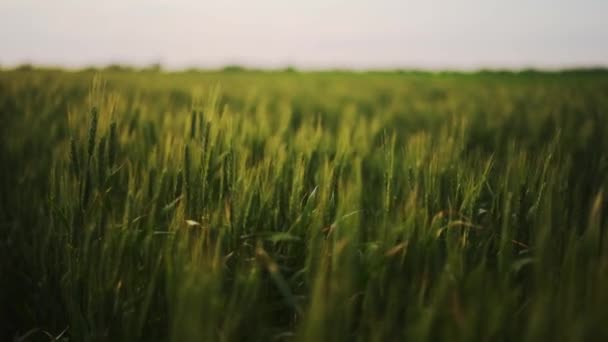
[[310, 34]]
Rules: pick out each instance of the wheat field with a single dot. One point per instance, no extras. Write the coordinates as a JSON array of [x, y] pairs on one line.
[[244, 205]]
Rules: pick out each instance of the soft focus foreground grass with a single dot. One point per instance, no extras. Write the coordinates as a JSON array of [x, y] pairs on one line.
[[306, 206]]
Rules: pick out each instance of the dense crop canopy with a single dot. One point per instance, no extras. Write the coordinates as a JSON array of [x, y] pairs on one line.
[[307, 206]]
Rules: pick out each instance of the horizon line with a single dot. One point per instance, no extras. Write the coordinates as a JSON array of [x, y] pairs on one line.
[[128, 66]]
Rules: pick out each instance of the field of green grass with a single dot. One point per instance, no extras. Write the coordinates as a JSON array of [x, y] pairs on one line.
[[333, 206]]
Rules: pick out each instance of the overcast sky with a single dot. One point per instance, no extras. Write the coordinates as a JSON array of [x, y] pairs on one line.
[[461, 34]]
